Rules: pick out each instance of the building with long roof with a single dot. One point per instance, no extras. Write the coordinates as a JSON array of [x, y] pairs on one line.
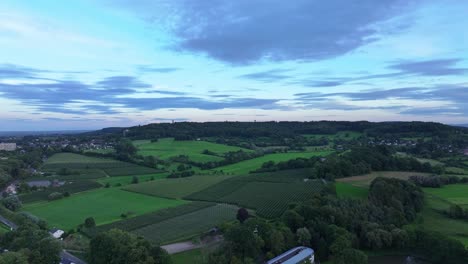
[[297, 255]]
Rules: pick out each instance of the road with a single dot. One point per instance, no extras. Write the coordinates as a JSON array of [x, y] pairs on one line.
[[66, 258]]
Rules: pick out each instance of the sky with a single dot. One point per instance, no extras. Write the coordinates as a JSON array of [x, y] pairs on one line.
[[91, 64]]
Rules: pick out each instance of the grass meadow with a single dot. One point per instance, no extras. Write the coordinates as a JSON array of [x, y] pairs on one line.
[[105, 205]]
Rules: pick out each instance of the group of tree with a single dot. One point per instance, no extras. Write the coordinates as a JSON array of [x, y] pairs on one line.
[[120, 247], [338, 229], [436, 181], [29, 244], [455, 211]]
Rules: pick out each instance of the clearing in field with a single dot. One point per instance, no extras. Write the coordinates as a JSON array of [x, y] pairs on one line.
[[347, 190], [168, 147], [246, 166], [188, 225], [176, 188], [105, 205], [365, 180]]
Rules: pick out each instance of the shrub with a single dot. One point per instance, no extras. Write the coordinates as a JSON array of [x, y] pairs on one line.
[[55, 196]]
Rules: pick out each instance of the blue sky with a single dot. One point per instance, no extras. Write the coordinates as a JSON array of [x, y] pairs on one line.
[[97, 63]]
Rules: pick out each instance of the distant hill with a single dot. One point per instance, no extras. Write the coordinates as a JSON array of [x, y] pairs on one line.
[[40, 133], [193, 130]]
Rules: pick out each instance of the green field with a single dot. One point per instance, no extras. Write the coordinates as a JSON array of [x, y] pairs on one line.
[[188, 225], [346, 190], [432, 219], [342, 135], [66, 158], [246, 166], [454, 193], [90, 167], [194, 256], [168, 147], [141, 221], [73, 187], [105, 205], [269, 194], [365, 180], [126, 180], [176, 188]]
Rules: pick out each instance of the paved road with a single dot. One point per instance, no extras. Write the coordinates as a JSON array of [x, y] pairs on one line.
[[8, 223]]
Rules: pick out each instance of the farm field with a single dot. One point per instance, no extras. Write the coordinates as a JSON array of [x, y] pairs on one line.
[[149, 218], [434, 220], [176, 188], [74, 187], [126, 180], [105, 205], [82, 165], [365, 180], [347, 190], [188, 225], [454, 193], [168, 147], [194, 256], [246, 166], [269, 196]]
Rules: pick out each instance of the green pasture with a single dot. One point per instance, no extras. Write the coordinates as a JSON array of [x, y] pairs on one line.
[[454, 193], [105, 205], [64, 158], [168, 147], [346, 190], [246, 166], [126, 180], [432, 218]]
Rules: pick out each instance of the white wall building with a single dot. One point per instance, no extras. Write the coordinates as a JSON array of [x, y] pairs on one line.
[[8, 146]]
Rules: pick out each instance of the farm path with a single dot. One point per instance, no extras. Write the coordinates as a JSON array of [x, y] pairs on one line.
[[189, 245]]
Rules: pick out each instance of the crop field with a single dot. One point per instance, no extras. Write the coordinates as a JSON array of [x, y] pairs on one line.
[[267, 197], [272, 199], [105, 205], [454, 193], [176, 188], [168, 147], [150, 218], [74, 187], [188, 225], [347, 190], [90, 167], [434, 220], [246, 166], [217, 191], [365, 180], [126, 180]]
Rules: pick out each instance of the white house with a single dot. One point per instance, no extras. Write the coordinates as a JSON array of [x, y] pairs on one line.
[[57, 233]]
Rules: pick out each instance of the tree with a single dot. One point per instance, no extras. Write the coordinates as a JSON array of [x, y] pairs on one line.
[[55, 196], [120, 247], [89, 222], [14, 258], [125, 149], [48, 251], [351, 256], [303, 236], [242, 215], [12, 202], [135, 180]]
